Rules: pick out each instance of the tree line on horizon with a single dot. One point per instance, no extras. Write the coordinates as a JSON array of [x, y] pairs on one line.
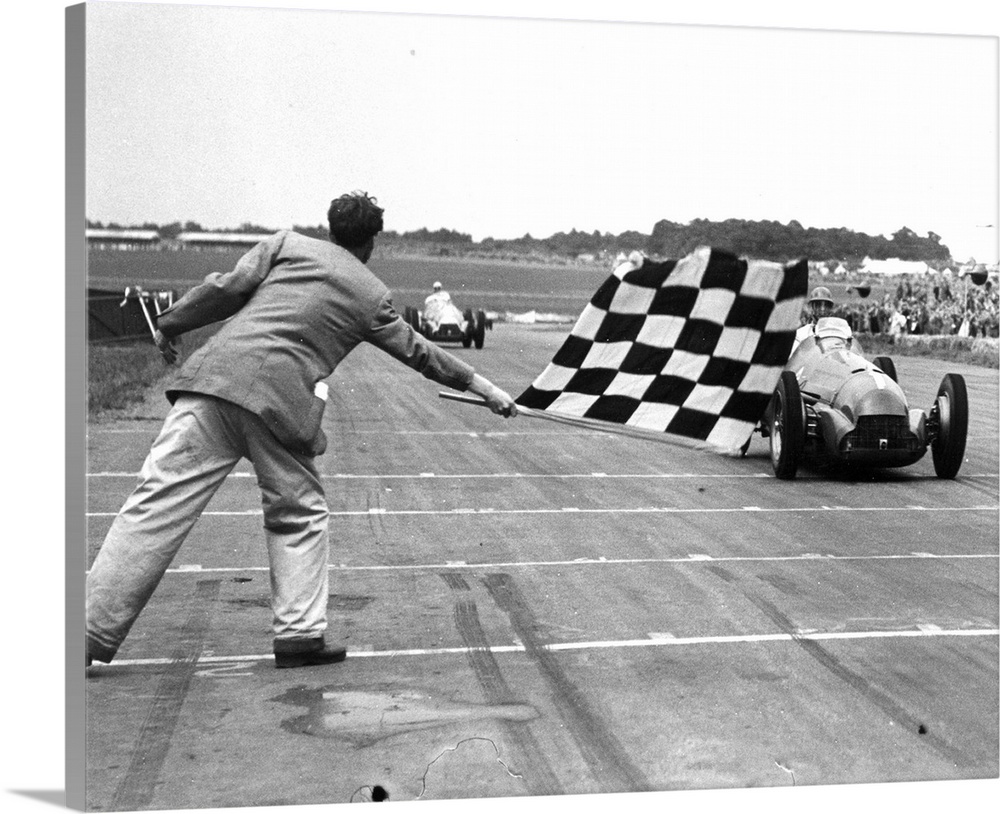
[[765, 240]]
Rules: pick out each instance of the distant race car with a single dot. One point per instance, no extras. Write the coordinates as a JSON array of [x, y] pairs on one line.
[[833, 406], [448, 324]]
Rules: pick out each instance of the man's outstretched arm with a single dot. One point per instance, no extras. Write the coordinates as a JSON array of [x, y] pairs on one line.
[[217, 298], [496, 399]]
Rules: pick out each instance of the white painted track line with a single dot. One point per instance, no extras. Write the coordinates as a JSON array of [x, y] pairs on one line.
[[529, 476], [472, 512], [659, 641], [600, 561]]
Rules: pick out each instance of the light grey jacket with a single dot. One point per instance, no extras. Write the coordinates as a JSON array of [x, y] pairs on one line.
[[295, 307]]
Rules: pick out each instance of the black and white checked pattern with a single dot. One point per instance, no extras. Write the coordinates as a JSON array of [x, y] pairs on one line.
[[693, 347]]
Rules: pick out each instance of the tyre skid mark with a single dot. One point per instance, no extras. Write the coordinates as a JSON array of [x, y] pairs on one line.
[[880, 699], [541, 779], [137, 787], [610, 764]]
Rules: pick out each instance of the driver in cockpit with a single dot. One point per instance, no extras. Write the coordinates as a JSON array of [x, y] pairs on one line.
[[834, 333]]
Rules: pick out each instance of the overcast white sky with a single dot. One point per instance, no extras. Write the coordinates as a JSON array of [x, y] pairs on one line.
[[499, 127]]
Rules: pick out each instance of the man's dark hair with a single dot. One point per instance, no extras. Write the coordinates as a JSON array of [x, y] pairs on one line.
[[355, 218]]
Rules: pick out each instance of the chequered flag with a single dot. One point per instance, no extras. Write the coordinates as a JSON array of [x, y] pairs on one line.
[[693, 347]]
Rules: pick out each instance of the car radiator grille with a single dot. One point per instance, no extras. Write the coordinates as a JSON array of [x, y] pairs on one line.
[[882, 432]]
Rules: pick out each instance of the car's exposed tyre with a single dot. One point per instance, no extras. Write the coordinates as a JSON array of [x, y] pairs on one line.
[[479, 334], [951, 409], [470, 328], [887, 366], [412, 317], [787, 427]]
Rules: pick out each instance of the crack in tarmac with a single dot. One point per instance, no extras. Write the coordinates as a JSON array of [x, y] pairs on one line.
[[423, 779], [785, 768]]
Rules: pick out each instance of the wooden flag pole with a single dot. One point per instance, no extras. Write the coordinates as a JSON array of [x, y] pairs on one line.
[[585, 423]]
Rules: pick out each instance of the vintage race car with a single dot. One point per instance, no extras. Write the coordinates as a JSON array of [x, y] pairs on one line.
[[833, 406], [448, 324]]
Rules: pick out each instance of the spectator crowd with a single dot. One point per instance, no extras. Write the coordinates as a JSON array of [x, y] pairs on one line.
[[933, 304]]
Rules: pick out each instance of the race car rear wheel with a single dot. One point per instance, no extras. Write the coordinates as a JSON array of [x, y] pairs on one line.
[[887, 366], [951, 411], [787, 427], [479, 334]]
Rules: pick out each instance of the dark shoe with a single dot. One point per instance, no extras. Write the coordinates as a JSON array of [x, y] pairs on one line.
[[306, 653], [98, 652]]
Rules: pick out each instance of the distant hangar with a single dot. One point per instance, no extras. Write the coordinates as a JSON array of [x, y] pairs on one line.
[[146, 239]]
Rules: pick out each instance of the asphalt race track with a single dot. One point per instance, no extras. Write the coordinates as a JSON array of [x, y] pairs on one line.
[[535, 609]]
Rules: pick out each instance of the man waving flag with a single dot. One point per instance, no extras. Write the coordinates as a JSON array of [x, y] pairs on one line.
[[692, 347]]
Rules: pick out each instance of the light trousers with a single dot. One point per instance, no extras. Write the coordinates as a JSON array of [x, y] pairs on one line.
[[202, 439]]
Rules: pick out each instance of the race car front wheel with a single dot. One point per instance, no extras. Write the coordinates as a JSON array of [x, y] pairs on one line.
[[470, 328], [951, 413], [787, 427], [412, 317], [479, 335]]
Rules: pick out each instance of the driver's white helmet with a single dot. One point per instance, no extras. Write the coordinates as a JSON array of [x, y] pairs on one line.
[[833, 333]]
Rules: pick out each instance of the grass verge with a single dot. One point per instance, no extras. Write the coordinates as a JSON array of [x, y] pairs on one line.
[[124, 379], [118, 376], [979, 352]]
